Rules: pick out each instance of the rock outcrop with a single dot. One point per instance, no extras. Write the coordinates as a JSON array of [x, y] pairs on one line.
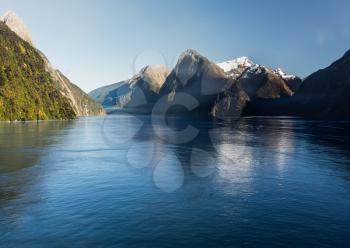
[[15, 23]]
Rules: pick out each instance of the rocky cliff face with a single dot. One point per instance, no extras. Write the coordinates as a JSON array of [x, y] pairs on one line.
[[81, 103], [230, 104], [199, 85], [27, 91], [16, 25]]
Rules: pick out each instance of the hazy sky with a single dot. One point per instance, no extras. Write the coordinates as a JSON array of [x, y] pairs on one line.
[[99, 42]]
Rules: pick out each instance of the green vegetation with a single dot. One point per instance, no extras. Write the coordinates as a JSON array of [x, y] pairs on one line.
[[27, 91]]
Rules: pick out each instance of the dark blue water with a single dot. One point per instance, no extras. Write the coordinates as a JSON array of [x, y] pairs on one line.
[[125, 181]]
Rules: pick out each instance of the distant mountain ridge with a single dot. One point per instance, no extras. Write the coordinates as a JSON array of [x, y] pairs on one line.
[[137, 93]]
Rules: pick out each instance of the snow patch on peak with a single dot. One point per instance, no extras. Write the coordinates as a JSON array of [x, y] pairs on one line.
[[244, 67], [242, 62], [236, 67], [15, 23], [283, 74]]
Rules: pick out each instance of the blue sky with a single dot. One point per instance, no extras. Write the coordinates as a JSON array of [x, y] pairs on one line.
[[98, 42]]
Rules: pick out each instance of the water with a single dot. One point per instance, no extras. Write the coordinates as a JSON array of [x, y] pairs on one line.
[[116, 181]]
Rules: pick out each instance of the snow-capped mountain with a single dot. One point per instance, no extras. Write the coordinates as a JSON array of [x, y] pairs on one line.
[[260, 81], [236, 67], [243, 66]]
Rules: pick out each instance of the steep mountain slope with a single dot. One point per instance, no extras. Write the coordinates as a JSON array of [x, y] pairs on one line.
[[16, 25], [82, 104], [138, 93], [200, 85], [326, 92], [27, 91]]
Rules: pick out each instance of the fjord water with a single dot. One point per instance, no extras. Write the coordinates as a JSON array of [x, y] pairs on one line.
[[115, 181]]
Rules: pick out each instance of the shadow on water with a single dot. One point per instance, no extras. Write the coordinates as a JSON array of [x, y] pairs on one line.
[[21, 146]]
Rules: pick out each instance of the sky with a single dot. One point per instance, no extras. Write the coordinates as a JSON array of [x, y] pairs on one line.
[[100, 42]]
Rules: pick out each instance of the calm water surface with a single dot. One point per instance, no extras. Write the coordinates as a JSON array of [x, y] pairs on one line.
[[117, 181]]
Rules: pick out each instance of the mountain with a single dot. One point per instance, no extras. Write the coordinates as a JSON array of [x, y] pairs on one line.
[[326, 92], [16, 25], [103, 96], [323, 94], [27, 91], [201, 86], [81, 103], [136, 94], [259, 81], [233, 88]]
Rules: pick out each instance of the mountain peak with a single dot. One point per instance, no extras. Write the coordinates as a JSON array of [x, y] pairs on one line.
[[155, 74], [15, 23], [190, 53], [283, 74], [234, 64]]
